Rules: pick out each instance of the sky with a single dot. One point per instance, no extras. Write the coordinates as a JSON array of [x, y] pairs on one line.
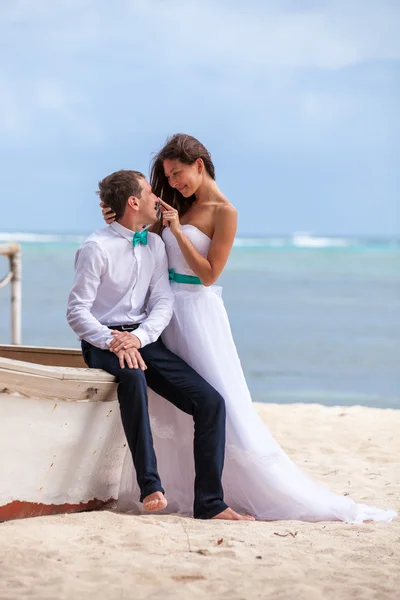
[[297, 101]]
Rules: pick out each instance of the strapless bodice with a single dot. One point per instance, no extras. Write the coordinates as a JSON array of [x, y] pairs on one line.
[[176, 260]]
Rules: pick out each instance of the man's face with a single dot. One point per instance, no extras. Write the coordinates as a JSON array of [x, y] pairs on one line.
[[147, 203]]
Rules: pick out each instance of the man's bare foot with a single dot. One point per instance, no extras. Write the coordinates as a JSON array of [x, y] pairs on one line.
[[155, 501], [230, 515]]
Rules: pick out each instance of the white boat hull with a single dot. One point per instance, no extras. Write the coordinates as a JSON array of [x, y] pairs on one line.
[[61, 436]]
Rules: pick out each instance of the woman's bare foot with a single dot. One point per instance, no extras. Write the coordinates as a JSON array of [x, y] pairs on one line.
[[230, 515], [155, 501]]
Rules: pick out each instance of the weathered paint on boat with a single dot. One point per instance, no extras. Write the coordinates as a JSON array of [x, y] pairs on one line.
[[62, 442]]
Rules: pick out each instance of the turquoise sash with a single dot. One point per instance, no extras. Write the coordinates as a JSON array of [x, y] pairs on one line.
[[179, 278]]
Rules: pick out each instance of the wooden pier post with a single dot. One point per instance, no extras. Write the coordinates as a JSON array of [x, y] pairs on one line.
[[13, 251]]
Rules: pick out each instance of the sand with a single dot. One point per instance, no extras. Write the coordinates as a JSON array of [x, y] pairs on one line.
[[112, 556]]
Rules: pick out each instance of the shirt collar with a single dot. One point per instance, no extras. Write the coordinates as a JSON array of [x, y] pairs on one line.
[[121, 230]]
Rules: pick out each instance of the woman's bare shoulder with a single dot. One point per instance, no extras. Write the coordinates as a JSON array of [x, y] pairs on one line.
[[226, 219], [226, 210]]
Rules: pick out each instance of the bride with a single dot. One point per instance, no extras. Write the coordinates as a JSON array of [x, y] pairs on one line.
[[199, 227]]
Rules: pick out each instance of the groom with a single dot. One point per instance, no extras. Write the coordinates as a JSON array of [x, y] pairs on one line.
[[119, 304]]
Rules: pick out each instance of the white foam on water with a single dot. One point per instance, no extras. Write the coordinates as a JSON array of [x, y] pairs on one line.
[[305, 240], [41, 238], [299, 239]]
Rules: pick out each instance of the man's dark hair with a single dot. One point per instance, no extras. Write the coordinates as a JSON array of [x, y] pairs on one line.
[[115, 189]]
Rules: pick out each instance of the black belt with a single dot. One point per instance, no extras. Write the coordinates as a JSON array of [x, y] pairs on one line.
[[129, 327]]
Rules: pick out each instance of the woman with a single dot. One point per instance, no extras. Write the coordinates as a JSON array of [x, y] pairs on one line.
[[259, 478]]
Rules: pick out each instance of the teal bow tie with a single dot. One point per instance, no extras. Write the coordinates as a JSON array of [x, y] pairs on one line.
[[140, 237]]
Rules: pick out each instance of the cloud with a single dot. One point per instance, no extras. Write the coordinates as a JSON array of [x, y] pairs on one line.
[[13, 117], [42, 109], [332, 34], [277, 34], [282, 82], [270, 58]]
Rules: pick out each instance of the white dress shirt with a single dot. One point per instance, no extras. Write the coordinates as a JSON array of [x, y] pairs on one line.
[[118, 284]]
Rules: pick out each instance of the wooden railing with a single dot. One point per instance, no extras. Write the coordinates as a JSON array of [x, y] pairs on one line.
[[13, 251]]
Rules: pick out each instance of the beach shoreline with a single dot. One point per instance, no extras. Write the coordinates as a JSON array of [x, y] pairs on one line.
[[103, 554]]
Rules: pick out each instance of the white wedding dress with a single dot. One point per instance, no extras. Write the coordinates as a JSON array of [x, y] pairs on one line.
[[258, 478]]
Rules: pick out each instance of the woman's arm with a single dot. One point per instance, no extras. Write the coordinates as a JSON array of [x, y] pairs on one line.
[[210, 268]]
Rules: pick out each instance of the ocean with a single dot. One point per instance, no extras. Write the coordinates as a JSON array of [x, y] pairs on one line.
[[315, 319]]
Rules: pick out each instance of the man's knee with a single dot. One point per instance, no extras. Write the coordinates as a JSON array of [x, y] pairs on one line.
[[131, 376], [132, 389], [214, 403]]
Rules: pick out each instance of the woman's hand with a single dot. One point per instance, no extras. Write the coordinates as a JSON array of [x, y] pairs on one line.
[[170, 217], [107, 212]]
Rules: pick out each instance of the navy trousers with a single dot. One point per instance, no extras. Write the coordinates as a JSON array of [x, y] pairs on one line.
[[172, 378]]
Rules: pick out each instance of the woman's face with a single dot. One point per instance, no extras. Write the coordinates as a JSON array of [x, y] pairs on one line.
[[185, 178]]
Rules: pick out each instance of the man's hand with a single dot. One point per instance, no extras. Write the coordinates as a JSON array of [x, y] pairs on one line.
[[132, 358], [124, 340]]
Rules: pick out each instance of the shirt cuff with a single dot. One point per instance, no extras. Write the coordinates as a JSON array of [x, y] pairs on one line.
[[107, 341], [142, 335]]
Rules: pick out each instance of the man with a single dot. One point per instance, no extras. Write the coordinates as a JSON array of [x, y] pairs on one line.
[[119, 304]]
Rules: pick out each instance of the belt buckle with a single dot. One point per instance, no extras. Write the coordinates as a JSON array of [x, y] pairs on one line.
[[129, 327]]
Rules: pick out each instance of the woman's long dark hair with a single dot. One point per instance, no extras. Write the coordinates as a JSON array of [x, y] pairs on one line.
[[187, 150]]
